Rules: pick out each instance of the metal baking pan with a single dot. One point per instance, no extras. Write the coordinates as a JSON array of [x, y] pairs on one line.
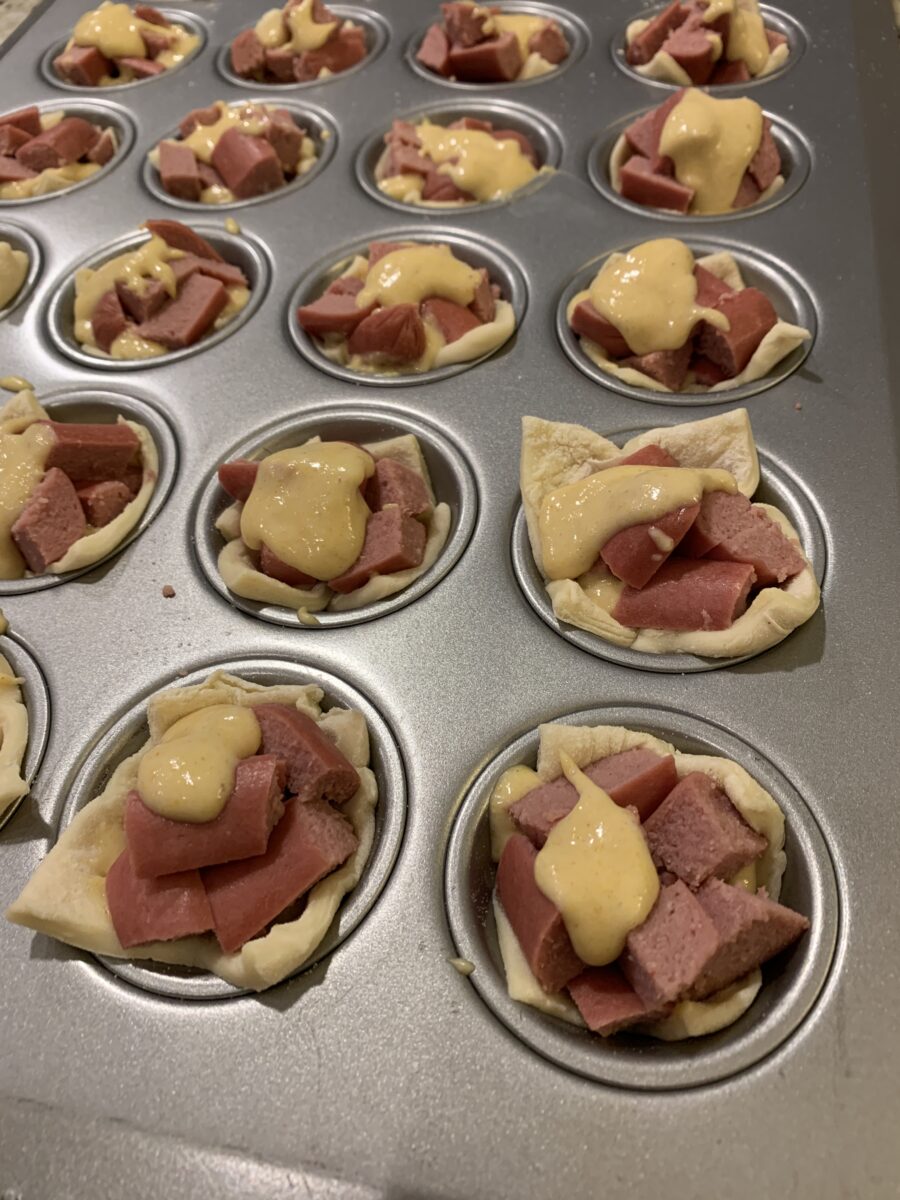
[[381, 1070]]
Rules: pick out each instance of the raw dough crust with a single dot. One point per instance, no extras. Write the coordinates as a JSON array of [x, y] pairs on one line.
[[65, 897], [781, 340], [239, 572], [621, 152], [23, 410], [555, 453], [13, 273], [662, 65], [587, 743], [13, 734]]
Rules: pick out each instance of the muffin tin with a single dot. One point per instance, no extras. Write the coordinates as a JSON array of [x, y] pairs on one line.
[[383, 1070]]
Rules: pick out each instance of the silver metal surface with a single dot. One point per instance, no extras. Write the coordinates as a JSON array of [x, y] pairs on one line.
[[21, 239], [382, 1071], [450, 476], [37, 703]]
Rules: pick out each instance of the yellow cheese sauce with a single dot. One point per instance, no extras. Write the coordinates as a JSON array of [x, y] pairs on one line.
[[521, 26], [247, 118], [512, 785], [116, 32], [413, 273], [716, 9], [53, 179], [22, 459], [578, 519], [650, 295], [271, 29], [307, 508], [747, 37], [487, 168], [711, 142], [13, 269], [189, 774], [306, 34], [133, 268], [596, 868]]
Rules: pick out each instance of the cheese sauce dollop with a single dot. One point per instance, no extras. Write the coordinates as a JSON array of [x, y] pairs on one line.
[[578, 519], [307, 34], [411, 274], [189, 774], [712, 143], [596, 868], [650, 294], [307, 507], [477, 162]]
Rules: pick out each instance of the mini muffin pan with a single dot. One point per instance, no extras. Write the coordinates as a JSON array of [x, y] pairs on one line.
[[384, 1070], [34, 691]]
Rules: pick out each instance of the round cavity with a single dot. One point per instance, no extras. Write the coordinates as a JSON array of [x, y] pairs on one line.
[[791, 983], [90, 406], [243, 250], [774, 19], [317, 124], [101, 113], [777, 487], [573, 27], [21, 239], [127, 734], [788, 294], [37, 703], [374, 26], [475, 251], [174, 15], [795, 167], [451, 478], [545, 138]]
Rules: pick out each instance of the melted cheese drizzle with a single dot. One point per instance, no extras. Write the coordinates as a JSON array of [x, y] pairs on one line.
[[116, 32], [22, 459], [271, 29], [716, 9], [521, 26], [13, 269], [413, 273], [51, 179], [650, 295], [596, 868], [248, 118], [747, 37], [307, 34], [578, 519], [711, 143], [189, 774], [134, 268], [481, 165], [307, 508]]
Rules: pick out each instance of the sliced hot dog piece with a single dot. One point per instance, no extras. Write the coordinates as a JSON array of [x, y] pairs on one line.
[[710, 288], [722, 516], [751, 316], [155, 910], [286, 138], [484, 305], [379, 250], [338, 54], [706, 373], [394, 542], [93, 453], [639, 182], [395, 483], [666, 955], [270, 564], [638, 779], [587, 322], [649, 456], [730, 72], [452, 320], [336, 311], [395, 334], [649, 41], [83, 66], [550, 43], [498, 60], [50, 522], [765, 166], [103, 149], [184, 320], [238, 477], [692, 48], [102, 502], [155, 43], [751, 930], [464, 25], [198, 116], [225, 272], [108, 320], [181, 237], [748, 193], [759, 542], [141, 68], [442, 188], [146, 12], [178, 171], [309, 842], [11, 138], [65, 143], [249, 165], [607, 1001], [513, 135], [471, 123], [635, 554], [141, 306], [434, 53], [688, 594], [27, 119], [668, 367], [281, 61], [775, 39], [316, 768], [535, 920], [160, 846], [248, 55], [697, 832], [12, 171]]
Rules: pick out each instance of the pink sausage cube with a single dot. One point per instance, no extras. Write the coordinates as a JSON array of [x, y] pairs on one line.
[[178, 171], [395, 483], [394, 542], [50, 523], [634, 555], [498, 60], [607, 1002], [65, 143], [665, 956], [317, 770], [249, 165], [155, 910], [688, 594], [103, 502], [184, 320], [93, 453]]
